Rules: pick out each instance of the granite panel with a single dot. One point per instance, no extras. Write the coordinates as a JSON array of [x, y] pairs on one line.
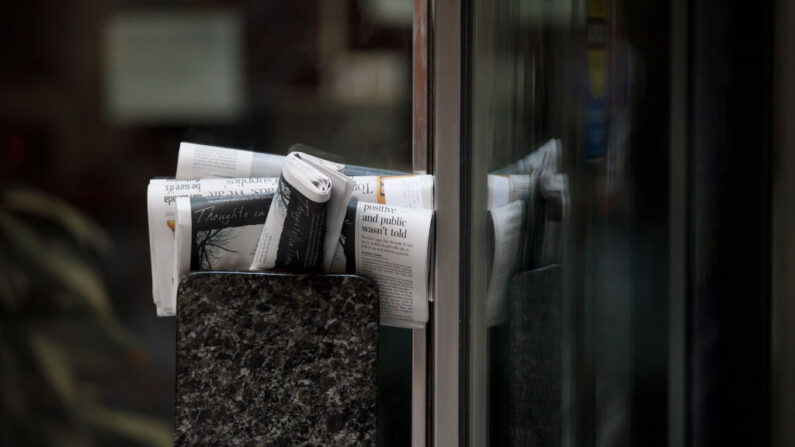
[[276, 359]]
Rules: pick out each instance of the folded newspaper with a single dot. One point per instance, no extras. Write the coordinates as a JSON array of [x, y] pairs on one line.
[[203, 161], [393, 246]]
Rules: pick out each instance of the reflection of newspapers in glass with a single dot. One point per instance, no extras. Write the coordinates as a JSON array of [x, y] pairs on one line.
[[391, 245], [216, 234], [161, 208], [504, 189], [407, 191], [548, 154], [555, 193], [505, 228]]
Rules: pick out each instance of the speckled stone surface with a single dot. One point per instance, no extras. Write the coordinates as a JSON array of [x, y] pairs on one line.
[[271, 359]]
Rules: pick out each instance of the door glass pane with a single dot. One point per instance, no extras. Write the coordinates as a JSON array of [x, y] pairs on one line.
[[570, 128]]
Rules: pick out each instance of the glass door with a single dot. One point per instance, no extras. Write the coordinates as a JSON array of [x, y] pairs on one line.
[[611, 292]]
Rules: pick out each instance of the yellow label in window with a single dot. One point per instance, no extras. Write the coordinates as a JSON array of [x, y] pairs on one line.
[[597, 68]]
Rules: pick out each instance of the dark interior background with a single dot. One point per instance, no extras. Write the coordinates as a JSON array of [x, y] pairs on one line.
[[331, 74]]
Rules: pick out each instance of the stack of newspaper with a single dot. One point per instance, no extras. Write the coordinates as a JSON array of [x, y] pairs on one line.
[[230, 209], [528, 204]]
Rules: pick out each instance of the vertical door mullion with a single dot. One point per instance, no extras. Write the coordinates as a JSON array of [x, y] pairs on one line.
[[446, 153], [420, 165]]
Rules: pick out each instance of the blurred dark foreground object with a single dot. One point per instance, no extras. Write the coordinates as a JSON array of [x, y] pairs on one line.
[[59, 340]]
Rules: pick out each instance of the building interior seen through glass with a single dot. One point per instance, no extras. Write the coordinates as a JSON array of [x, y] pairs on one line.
[[95, 101]]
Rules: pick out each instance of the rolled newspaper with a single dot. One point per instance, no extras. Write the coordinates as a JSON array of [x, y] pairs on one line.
[[303, 226]]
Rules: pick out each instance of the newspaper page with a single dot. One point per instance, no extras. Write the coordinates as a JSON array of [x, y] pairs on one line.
[[407, 191], [202, 161], [390, 245], [505, 226], [216, 234], [161, 208]]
